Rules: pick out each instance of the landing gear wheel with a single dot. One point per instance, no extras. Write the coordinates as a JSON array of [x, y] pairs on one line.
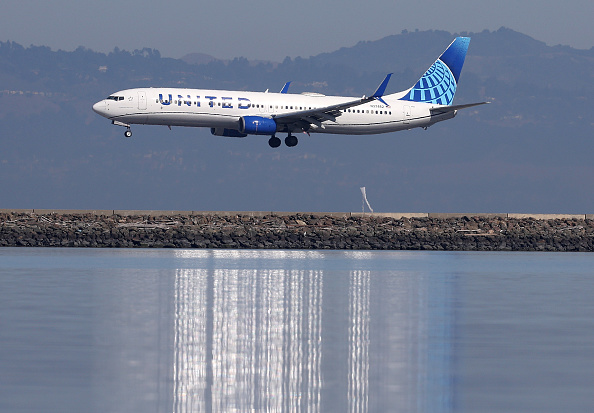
[[128, 133], [274, 142], [291, 141]]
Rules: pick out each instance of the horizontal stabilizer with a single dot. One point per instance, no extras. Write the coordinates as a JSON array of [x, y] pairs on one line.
[[446, 109]]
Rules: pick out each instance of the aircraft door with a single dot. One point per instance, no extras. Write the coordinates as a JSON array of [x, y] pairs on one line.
[[407, 114], [142, 100]]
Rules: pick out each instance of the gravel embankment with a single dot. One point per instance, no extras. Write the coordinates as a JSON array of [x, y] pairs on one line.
[[298, 231]]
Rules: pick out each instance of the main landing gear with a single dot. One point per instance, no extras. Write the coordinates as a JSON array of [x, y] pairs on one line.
[[290, 141], [274, 142], [128, 133]]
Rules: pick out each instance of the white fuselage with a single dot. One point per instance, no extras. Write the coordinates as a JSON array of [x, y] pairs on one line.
[[219, 109]]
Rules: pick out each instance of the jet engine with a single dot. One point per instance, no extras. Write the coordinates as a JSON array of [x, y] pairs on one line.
[[257, 125], [233, 133]]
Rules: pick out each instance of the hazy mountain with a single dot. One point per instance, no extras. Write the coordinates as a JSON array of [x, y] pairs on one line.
[[203, 59], [529, 151], [198, 58]]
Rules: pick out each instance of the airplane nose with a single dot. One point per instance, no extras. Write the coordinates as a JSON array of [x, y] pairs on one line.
[[99, 107]]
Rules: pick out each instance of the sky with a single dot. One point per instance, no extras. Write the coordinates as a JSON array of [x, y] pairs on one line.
[[274, 29]]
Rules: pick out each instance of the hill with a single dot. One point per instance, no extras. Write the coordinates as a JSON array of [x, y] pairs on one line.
[[529, 151]]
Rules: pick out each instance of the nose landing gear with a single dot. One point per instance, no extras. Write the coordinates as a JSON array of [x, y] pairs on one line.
[[128, 132]]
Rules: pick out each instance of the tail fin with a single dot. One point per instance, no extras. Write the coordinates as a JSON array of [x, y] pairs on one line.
[[438, 84]]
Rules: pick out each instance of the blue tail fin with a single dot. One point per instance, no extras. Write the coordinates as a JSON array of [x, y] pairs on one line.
[[438, 84]]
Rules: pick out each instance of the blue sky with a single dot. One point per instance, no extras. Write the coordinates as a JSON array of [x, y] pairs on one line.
[[271, 30]]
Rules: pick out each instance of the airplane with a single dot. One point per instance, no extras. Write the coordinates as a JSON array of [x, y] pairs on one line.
[[239, 114]]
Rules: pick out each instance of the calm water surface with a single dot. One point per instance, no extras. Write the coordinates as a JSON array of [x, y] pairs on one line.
[[278, 331]]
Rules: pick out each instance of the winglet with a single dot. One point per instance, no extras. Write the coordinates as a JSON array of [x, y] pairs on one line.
[[382, 87], [285, 88]]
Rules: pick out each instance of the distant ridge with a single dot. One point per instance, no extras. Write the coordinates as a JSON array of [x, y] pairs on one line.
[[198, 58], [204, 59]]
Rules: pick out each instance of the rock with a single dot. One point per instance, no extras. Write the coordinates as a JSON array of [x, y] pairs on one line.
[[296, 231]]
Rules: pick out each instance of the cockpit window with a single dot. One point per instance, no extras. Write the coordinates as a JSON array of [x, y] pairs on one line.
[[116, 98]]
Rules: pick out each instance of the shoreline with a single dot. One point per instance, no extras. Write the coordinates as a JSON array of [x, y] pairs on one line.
[[292, 230]]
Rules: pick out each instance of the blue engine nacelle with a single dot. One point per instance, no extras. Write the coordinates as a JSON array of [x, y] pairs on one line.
[[233, 133], [257, 125]]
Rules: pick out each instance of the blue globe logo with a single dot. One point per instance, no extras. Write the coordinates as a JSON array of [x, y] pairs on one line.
[[437, 86]]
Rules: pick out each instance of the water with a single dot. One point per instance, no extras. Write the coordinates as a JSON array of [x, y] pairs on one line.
[[203, 330]]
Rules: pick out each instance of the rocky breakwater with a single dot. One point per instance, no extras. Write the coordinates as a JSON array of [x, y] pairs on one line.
[[296, 231]]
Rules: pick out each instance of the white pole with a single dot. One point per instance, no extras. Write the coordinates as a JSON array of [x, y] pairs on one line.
[[365, 201]]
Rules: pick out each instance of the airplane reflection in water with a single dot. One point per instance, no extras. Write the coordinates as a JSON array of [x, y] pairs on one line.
[[246, 339], [303, 339]]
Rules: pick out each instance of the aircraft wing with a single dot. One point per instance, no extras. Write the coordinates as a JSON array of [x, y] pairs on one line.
[[319, 115]]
